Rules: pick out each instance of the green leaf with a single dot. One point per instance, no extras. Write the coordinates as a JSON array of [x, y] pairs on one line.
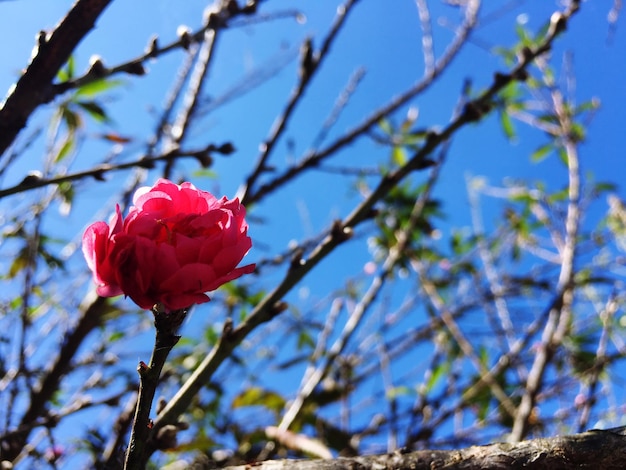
[[541, 153], [71, 118], [385, 126], [115, 336], [507, 125], [96, 111], [257, 396], [305, 339], [90, 90], [66, 149], [398, 156], [604, 186], [19, 262], [439, 372], [395, 392], [67, 73]]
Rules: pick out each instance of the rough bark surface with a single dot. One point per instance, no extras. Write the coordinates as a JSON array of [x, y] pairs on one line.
[[595, 449]]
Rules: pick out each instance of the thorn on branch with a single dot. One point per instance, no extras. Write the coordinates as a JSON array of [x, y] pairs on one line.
[[184, 35], [232, 7], [525, 55], [146, 163], [31, 179], [296, 259], [135, 68], [227, 329], [424, 163], [226, 148], [249, 8], [213, 21], [339, 232], [204, 157], [521, 75], [278, 308], [142, 368], [98, 175], [42, 39], [307, 60], [475, 110], [96, 67], [153, 47], [501, 79], [161, 404], [431, 137], [558, 24]]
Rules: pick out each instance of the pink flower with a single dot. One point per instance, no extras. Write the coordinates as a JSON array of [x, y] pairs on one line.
[[176, 244]]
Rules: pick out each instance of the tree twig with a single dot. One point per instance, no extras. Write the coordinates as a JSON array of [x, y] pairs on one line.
[[53, 50]]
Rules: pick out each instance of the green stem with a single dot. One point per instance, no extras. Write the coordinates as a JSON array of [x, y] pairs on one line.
[[166, 327]]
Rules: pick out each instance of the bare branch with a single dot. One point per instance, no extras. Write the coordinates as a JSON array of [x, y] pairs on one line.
[[53, 50]]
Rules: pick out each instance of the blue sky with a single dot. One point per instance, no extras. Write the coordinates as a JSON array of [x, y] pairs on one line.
[[383, 38]]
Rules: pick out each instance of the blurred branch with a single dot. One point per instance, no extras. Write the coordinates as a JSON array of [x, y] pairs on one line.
[[93, 310], [272, 304], [396, 253], [559, 319], [219, 20], [51, 52], [314, 158], [194, 88], [600, 361], [462, 341], [427, 36], [309, 65]]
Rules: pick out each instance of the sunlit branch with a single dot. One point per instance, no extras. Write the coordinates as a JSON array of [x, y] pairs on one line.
[[491, 273], [52, 51], [271, 305], [192, 95], [559, 320], [98, 172], [427, 36], [310, 62], [311, 160], [464, 344]]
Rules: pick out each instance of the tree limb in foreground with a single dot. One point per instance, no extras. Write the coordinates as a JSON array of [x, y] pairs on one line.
[[595, 449]]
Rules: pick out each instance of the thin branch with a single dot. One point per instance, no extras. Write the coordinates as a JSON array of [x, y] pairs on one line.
[[271, 305], [93, 309], [167, 325], [427, 36], [53, 50], [314, 159], [194, 90], [558, 322], [98, 172], [309, 65]]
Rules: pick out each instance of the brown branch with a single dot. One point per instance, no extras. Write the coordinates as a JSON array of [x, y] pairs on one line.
[[12, 444], [97, 172], [593, 449], [32, 89], [558, 322], [270, 306], [309, 65], [167, 325], [313, 158]]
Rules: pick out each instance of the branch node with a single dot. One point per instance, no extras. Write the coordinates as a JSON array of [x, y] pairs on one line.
[[153, 47], [96, 67]]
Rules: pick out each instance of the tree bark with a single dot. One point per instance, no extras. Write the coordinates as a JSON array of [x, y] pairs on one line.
[[595, 449]]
